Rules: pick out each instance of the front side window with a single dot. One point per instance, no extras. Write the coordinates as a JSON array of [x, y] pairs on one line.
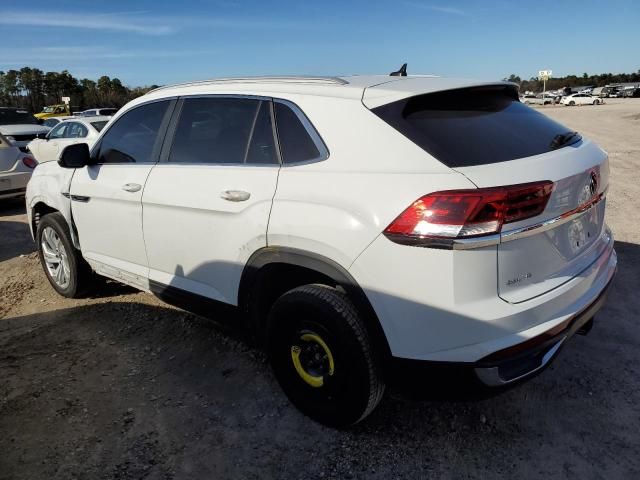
[[224, 131], [296, 145], [133, 138]]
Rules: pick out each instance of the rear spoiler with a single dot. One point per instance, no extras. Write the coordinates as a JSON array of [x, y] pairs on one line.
[[411, 86]]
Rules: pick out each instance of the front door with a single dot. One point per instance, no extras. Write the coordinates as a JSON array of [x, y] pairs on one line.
[[106, 198], [206, 205]]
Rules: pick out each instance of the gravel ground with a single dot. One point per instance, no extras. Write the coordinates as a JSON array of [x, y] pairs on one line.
[[121, 386]]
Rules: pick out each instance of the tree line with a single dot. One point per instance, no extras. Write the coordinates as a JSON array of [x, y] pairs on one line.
[[535, 84], [32, 89]]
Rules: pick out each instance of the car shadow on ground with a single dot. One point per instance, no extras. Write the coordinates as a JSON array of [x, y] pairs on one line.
[[15, 238], [12, 206], [142, 388]]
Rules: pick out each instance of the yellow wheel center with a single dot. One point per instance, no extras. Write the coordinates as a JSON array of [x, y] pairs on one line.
[[315, 381]]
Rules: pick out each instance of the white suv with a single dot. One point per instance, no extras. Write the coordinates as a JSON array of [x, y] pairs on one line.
[[354, 221]]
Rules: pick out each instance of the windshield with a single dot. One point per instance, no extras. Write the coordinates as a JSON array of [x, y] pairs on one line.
[[15, 117], [49, 109]]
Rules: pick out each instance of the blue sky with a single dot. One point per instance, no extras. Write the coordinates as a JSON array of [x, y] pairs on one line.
[[155, 42]]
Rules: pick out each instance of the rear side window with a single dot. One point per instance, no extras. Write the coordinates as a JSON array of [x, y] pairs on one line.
[[475, 126], [224, 131], [296, 145], [133, 138]]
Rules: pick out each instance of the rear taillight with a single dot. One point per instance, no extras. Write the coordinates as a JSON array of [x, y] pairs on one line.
[[469, 213], [29, 162]]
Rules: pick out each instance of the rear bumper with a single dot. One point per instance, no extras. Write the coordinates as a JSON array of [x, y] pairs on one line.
[[527, 358], [13, 184], [442, 307]]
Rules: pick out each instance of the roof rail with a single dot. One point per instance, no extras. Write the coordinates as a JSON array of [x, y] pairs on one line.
[[282, 79]]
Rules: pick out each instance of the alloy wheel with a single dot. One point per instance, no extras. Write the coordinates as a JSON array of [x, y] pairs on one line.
[[55, 257]]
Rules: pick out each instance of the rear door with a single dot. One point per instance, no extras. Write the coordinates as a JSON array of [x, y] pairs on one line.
[[486, 134], [49, 148], [106, 198], [74, 132], [207, 203]]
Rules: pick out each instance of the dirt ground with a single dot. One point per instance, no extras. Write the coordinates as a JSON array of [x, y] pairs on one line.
[[121, 386]]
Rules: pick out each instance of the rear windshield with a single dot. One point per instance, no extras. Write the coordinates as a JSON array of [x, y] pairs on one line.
[[475, 126], [99, 125], [15, 117]]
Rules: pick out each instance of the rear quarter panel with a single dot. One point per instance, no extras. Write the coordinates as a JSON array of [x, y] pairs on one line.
[[338, 206]]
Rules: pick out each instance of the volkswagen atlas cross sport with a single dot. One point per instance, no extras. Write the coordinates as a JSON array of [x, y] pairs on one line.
[[354, 221]]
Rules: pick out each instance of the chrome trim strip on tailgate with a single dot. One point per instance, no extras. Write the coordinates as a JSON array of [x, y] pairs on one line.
[[508, 236], [552, 223]]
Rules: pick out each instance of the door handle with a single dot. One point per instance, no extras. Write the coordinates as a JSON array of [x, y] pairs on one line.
[[235, 195], [131, 187]]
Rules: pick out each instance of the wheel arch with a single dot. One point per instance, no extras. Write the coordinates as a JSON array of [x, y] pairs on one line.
[[271, 271], [39, 208]]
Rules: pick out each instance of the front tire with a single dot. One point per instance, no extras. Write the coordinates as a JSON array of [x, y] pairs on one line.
[[322, 356], [572, 103], [67, 272]]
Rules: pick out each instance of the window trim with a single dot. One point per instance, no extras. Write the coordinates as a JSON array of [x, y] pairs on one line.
[[160, 140], [311, 130], [173, 126]]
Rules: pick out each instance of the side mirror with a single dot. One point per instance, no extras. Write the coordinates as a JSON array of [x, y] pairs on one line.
[[75, 156], [43, 136]]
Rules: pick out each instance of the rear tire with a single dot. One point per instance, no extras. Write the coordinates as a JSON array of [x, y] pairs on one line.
[[572, 103], [67, 272], [322, 356]]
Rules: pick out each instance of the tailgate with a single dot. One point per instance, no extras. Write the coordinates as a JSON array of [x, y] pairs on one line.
[[541, 253], [486, 134]]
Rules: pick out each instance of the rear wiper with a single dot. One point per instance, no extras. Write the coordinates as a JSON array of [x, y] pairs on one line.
[[563, 139]]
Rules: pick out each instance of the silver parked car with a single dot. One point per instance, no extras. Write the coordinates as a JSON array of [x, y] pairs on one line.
[[15, 169]]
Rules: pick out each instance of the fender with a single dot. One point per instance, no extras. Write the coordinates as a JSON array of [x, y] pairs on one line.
[[50, 185], [317, 263]]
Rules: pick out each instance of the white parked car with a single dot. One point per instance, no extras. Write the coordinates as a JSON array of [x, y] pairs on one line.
[[67, 132], [15, 169], [537, 99], [355, 222], [98, 112], [580, 99]]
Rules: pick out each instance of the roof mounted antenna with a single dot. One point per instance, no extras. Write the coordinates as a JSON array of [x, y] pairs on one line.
[[400, 73]]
